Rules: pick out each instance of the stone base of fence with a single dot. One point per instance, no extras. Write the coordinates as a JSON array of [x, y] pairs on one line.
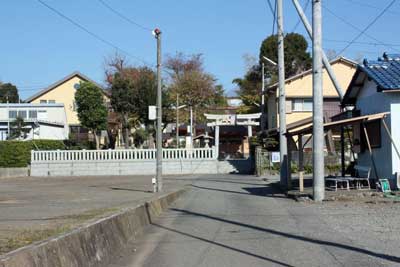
[[89, 168], [14, 172]]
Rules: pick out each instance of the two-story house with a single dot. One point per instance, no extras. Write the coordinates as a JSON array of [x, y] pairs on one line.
[[299, 94]]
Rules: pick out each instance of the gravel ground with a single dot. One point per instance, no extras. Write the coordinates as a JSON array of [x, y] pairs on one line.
[[34, 208]]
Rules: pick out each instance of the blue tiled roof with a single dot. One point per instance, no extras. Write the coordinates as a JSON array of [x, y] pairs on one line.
[[385, 71]]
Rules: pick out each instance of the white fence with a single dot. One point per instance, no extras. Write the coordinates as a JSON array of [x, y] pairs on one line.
[[121, 155]]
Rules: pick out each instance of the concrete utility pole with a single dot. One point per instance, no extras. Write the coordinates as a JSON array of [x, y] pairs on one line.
[[157, 34], [191, 126], [177, 120], [282, 99], [262, 97], [318, 123], [325, 59], [8, 121]]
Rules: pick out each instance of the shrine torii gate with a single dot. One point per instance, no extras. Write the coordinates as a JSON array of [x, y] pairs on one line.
[[218, 120]]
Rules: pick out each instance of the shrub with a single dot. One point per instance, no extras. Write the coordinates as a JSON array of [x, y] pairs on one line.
[[18, 153]]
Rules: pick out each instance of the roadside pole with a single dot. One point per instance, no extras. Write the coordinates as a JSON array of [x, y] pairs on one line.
[[282, 99], [262, 97], [318, 126], [159, 181], [177, 120]]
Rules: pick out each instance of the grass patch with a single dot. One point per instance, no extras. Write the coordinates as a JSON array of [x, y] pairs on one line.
[[62, 224]]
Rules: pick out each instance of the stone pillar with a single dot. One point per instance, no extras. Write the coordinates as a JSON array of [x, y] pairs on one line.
[[249, 131], [216, 139]]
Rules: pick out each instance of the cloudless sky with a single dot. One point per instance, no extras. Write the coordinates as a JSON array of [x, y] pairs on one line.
[[38, 47]]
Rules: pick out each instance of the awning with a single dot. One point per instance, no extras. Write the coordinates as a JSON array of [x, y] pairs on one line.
[[331, 125], [292, 126]]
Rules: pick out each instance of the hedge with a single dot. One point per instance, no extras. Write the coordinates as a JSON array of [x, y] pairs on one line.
[[18, 153]]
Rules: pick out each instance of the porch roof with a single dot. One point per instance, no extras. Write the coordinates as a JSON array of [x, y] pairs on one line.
[[330, 125]]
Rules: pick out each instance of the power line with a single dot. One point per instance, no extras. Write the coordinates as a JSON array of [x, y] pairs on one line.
[[368, 26], [124, 17], [273, 13], [99, 38], [358, 29], [274, 20], [298, 21], [370, 6]]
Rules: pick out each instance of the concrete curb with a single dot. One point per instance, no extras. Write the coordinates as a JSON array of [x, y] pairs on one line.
[[93, 244]]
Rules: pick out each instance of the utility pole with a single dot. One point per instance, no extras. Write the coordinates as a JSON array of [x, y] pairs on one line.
[[8, 121], [318, 124], [262, 97], [282, 100], [191, 126], [177, 120], [157, 34]]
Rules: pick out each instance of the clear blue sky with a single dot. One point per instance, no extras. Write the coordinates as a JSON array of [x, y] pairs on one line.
[[38, 47]]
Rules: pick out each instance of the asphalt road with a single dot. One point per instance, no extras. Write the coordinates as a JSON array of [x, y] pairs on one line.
[[243, 221]]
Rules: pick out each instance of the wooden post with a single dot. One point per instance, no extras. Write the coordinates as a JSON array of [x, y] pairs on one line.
[[342, 156], [301, 163], [370, 150], [289, 139]]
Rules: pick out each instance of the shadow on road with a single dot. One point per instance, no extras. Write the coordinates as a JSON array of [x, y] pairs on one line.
[[222, 245], [212, 180], [293, 236], [262, 191], [130, 189]]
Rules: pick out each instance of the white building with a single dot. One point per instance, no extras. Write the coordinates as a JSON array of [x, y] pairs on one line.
[[375, 88], [42, 121]]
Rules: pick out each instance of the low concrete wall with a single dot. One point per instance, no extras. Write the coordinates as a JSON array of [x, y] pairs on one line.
[[14, 172], [92, 245], [144, 167]]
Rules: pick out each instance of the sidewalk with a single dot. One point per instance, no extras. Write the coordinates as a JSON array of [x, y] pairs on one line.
[[33, 209]]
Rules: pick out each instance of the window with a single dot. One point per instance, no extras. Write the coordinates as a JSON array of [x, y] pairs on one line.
[[12, 114], [51, 102], [33, 114], [43, 101], [74, 106], [302, 105], [42, 115], [22, 114]]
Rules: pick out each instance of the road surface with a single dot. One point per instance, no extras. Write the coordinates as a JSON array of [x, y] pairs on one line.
[[235, 220]]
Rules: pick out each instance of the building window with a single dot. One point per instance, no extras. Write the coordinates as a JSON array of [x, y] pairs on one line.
[[42, 115], [74, 106], [12, 114], [33, 114], [51, 102], [22, 114], [302, 105], [43, 101]]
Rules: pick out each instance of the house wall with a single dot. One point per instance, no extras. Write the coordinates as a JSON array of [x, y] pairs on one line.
[[302, 88], [395, 130], [65, 94], [367, 103], [51, 119]]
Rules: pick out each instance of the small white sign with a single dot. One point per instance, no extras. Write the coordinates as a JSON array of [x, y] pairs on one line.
[[153, 181], [275, 157], [152, 113]]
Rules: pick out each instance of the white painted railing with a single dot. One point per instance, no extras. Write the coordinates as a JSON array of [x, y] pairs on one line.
[[121, 155]]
